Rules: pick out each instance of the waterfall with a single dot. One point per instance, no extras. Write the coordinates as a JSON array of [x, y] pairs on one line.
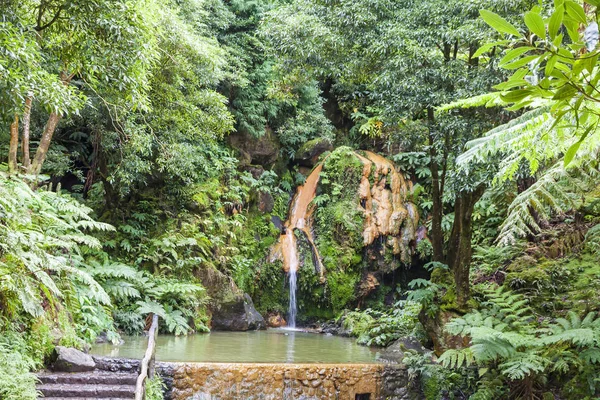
[[389, 217], [292, 258], [292, 309]]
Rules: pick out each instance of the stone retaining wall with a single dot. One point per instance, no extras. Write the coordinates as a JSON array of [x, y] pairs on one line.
[[246, 381], [217, 381]]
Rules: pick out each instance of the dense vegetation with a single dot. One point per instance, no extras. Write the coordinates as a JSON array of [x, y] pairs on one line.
[[151, 149]]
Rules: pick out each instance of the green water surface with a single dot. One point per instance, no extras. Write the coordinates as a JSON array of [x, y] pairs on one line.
[[271, 346]]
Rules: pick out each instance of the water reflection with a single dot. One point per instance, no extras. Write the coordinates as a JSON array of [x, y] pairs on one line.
[[274, 345]]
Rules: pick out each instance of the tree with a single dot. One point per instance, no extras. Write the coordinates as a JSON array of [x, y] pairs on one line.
[[106, 47], [392, 64]]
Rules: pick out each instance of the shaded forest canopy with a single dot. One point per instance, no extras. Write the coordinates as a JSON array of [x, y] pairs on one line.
[[153, 151]]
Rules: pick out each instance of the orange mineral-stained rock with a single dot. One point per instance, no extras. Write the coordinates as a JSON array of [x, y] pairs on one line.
[[382, 197]]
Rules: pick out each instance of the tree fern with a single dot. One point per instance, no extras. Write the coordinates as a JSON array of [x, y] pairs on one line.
[[557, 190]]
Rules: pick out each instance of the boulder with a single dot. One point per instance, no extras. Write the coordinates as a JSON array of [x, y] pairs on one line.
[[275, 320], [239, 315], [68, 359], [394, 353], [265, 202], [308, 154], [231, 309], [262, 151]]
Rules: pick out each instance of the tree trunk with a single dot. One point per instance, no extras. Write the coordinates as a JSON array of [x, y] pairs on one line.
[[51, 124], [459, 246], [26, 127], [437, 210], [14, 146], [42, 150]]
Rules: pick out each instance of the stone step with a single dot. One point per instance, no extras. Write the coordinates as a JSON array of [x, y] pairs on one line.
[[95, 377], [93, 391]]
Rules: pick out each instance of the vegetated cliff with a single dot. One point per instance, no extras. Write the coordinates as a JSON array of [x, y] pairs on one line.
[[350, 222]]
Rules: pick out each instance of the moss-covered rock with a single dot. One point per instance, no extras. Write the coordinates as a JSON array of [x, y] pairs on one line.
[[308, 154]]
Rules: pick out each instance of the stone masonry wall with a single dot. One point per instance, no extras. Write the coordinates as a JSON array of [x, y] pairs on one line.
[[217, 381]]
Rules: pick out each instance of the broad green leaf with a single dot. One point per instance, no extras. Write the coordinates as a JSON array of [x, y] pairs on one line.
[[484, 49], [514, 53], [520, 62], [550, 64], [498, 23], [555, 21], [535, 23], [590, 63], [570, 154], [575, 11], [572, 29], [564, 92], [595, 3], [515, 95]]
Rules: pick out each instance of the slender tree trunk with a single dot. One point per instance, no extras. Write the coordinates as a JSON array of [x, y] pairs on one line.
[[436, 236], [26, 128], [14, 146], [459, 246], [42, 150], [51, 124]]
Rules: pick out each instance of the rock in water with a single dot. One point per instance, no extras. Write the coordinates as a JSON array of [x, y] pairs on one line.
[[275, 320], [231, 309], [69, 359], [394, 353], [238, 315]]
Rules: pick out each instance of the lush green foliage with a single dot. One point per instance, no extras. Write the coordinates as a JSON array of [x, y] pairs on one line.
[[509, 346], [380, 328], [184, 127]]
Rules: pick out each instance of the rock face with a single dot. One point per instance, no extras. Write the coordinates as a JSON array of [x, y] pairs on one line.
[[239, 315], [258, 151], [72, 360], [308, 154], [231, 309]]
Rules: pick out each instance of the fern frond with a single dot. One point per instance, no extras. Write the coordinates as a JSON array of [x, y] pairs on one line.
[[487, 100]]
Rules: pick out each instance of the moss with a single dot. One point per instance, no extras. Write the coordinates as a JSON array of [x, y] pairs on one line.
[[341, 289], [556, 286]]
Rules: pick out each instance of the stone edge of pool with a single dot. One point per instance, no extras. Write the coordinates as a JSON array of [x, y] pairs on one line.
[[239, 380]]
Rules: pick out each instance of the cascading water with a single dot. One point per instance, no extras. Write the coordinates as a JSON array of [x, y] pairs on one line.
[[292, 257], [293, 309]]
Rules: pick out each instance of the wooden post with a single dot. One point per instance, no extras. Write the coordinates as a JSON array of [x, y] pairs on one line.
[[147, 368]]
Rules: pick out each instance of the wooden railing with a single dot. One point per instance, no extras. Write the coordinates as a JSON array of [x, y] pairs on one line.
[[147, 364]]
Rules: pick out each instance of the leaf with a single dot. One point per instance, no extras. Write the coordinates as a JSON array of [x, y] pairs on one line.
[[595, 3], [483, 49], [564, 92], [498, 23], [575, 11], [571, 153], [520, 62], [535, 23], [555, 21], [515, 95], [514, 53]]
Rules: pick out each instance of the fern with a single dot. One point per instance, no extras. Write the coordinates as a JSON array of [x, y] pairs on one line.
[[506, 340], [557, 190], [484, 100], [38, 229]]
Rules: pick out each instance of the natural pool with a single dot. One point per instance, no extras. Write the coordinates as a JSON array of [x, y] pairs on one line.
[[270, 346]]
